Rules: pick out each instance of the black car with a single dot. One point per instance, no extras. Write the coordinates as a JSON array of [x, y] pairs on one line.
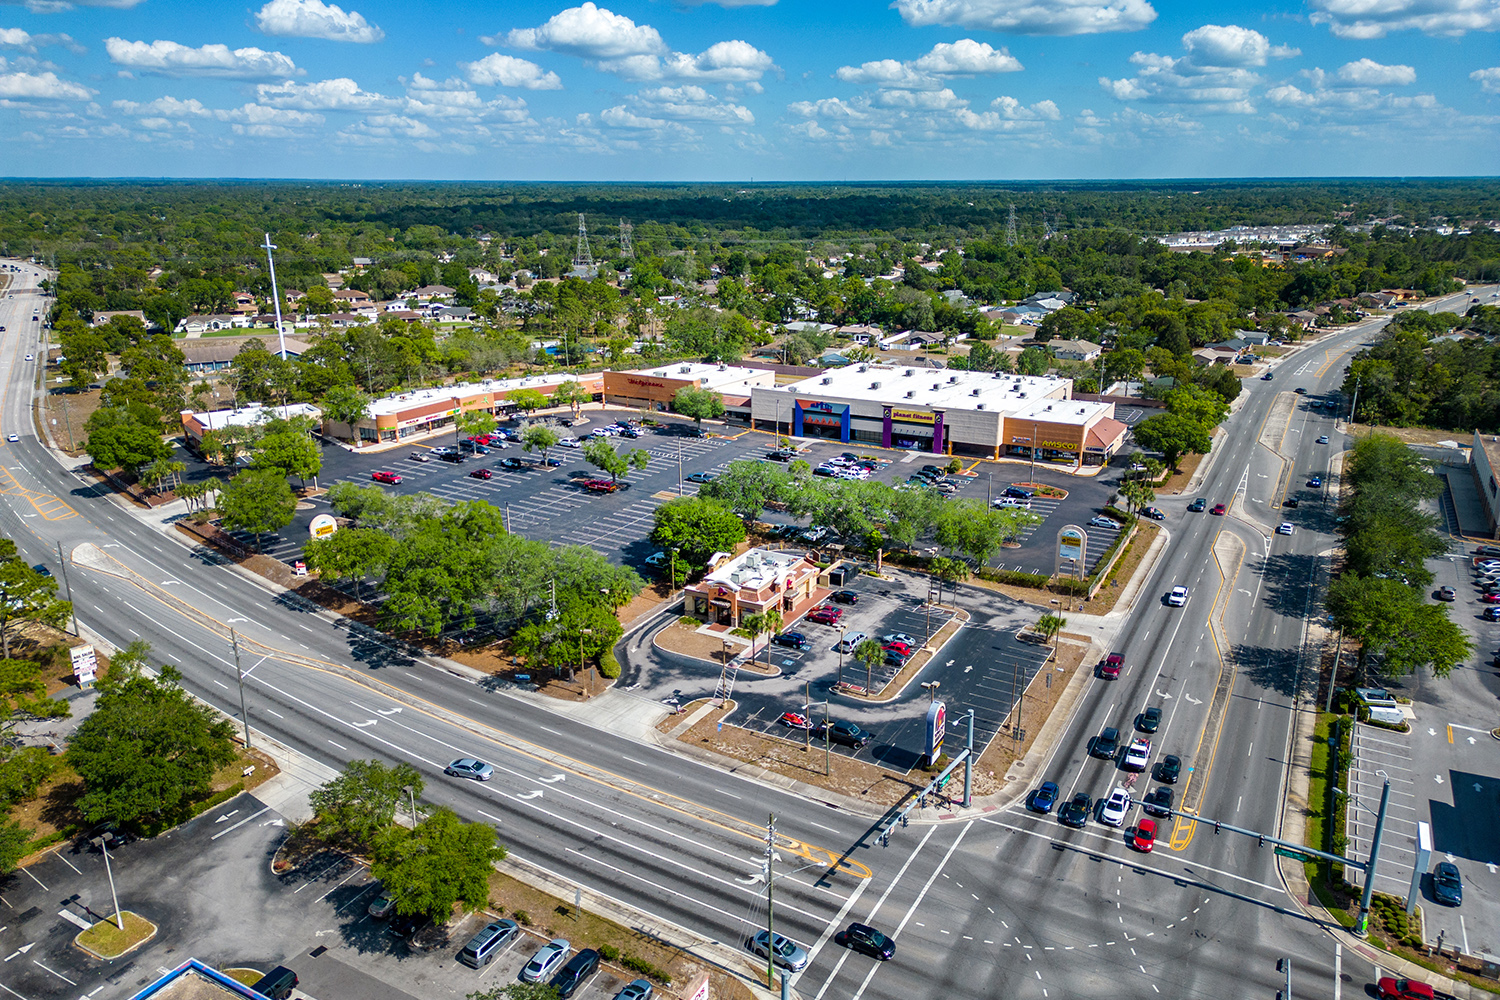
[[1447, 884], [404, 926], [1290, 503], [454, 457], [1168, 768], [846, 733], [1158, 802], [512, 463], [862, 937], [1150, 720], [781, 456], [629, 432], [1198, 505], [580, 968], [1106, 744], [793, 640], [1075, 812], [844, 597], [825, 470], [1019, 492]]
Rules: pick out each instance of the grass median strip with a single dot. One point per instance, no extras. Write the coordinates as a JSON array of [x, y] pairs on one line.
[[107, 940]]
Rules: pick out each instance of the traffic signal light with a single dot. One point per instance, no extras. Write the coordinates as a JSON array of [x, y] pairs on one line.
[[1281, 965], [1216, 827], [1262, 839]]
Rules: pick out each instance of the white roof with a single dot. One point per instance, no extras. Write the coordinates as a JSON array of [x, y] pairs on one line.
[[931, 388], [1058, 411], [253, 413], [497, 387], [756, 569], [705, 374]]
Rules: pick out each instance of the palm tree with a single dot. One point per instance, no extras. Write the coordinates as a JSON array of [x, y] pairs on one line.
[[1049, 626]]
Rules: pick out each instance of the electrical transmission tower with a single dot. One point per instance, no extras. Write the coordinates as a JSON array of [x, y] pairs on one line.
[[1010, 227], [1048, 229], [583, 258], [627, 245]]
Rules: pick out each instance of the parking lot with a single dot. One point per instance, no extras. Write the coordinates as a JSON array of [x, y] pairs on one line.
[[210, 889], [551, 503]]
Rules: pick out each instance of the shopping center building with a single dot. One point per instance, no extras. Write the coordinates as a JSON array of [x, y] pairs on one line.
[[981, 414]]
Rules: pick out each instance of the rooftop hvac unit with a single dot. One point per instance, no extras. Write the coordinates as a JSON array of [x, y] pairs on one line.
[[974, 392], [909, 373], [912, 394], [980, 406], [685, 369], [864, 368], [1020, 395], [936, 386], [828, 380], [952, 379], [874, 385]]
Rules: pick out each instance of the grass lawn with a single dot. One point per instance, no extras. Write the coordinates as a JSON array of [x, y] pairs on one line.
[[108, 941]]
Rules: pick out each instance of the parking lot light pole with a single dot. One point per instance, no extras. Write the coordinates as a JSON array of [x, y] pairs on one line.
[[119, 917], [827, 736], [807, 714], [842, 629], [1364, 900]]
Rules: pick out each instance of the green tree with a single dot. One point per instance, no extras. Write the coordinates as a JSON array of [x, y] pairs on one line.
[[147, 749], [517, 991], [118, 438], [1173, 435], [869, 653], [527, 400], [472, 423], [571, 393], [1392, 622], [257, 501], [349, 554], [360, 803], [1137, 494], [289, 453], [1033, 361], [26, 596], [697, 527], [345, 404], [441, 862], [581, 634], [539, 437], [747, 487], [700, 404], [1049, 626], [15, 843], [602, 455]]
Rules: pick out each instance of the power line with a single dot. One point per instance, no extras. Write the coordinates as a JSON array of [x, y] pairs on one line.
[[627, 245], [583, 258], [1010, 227]]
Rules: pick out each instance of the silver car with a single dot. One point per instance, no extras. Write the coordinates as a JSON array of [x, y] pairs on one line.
[[639, 989], [788, 954], [546, 961], [468, 767]]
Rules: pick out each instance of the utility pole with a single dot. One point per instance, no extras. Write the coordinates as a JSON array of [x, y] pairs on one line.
[[1355, 401], [67, 586], [770, 921], [1363, 927], [679, 467], [1284, 965], [234, 641], [1010, 227], [827, 736], [268, 246], [807, 714], [119, 917]]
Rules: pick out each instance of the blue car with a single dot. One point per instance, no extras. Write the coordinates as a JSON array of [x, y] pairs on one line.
[[793, 640], [1044, 797]]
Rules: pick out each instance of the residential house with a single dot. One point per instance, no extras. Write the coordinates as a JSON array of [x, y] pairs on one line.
[[197, 326], [102, 318], [213, 354], [351, 296], [429, 292], [1075, 350]]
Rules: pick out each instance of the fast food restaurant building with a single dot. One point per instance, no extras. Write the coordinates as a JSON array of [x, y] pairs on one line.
[[981, 414]]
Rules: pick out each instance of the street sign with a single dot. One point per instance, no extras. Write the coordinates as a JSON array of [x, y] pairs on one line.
[[1287, 852]]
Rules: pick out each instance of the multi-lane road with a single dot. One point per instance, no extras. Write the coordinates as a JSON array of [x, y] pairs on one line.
[[996, 903]]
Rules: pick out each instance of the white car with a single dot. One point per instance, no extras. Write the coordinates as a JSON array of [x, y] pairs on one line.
[[1284, 528], [1137, 755], [13, 438], [1178, 597], [901, 637], [545, 962], [1103, 522], [28, 357], [1114, 808], [850, 640], [1010, 503], [570, 442]]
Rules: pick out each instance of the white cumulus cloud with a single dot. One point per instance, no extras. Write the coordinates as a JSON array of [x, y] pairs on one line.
[[509, 71], [1488, 79], [315, 19], [1030, 17], [41, 86], [1367, 19], [165, 107], [174, 59], [1232, 45], [590, 32], [340, 94], [1369, 73], [964, 57]]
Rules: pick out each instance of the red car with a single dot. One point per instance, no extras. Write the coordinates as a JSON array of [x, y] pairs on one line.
[[602, 485], [385, 477], [1490, 598], [480, 474], [1218, 508], [1144, 838], [1391, 988], [1110, 668], [900, 648], [795, 720], [826, 615]]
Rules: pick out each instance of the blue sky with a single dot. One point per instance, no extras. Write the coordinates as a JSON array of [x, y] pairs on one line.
[[739, 90]]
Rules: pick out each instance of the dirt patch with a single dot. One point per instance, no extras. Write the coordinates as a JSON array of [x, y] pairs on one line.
[[1103, 601], [790, 757], [1414, 435], [1177, 481], [686, 639], [552, 916], [647, 602], [71, 410]]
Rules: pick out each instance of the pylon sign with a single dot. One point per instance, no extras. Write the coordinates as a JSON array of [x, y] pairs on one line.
[[937, 724], [1072, 546]]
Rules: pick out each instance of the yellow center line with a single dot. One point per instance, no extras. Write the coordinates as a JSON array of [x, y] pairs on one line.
[[1450, 734]]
